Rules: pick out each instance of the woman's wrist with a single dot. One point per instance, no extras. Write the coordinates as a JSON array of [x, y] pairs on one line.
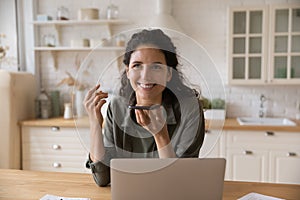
[[162, 137], [96, 142], [167, 151], [95, 125]]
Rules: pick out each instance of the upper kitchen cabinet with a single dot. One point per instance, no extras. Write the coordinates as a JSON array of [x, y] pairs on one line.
[[285, 45], [264, 45]]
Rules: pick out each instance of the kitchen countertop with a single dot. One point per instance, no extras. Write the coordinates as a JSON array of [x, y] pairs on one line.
[[232, 124], [228, 124], [59, 121]]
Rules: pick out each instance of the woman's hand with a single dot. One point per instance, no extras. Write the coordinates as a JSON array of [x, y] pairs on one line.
[[153, 120], [93, 102]]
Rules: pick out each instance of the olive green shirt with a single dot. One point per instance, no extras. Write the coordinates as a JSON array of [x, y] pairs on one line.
[[125, 138]]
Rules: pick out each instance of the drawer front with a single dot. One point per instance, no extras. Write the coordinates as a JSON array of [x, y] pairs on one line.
[[263, 139], [56, 165], [52, 134]]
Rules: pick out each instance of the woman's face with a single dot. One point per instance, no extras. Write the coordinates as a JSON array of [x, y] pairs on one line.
[[148, 74]]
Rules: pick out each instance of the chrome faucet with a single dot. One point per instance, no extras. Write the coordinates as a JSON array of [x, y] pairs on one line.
[[262, 109]]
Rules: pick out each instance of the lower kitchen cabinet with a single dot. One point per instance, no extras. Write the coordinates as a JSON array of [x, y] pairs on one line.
[[284, 166], [247, 165], [212, 146], [54, 148], [262, 156]]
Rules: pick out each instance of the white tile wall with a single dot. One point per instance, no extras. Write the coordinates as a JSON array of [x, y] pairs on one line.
[[205, 21]]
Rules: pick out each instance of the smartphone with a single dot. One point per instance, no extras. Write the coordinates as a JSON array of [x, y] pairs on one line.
[[144, 107]]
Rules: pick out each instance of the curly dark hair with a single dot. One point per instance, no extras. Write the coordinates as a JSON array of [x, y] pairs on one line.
[[157, 38]]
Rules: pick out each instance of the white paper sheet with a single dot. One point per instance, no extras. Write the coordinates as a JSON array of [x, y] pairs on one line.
[[53, 197], [256, 196]]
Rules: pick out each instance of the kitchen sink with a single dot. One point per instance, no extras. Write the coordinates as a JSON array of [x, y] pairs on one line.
[[267, 121]]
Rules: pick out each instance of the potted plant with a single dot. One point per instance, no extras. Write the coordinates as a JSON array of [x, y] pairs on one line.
[[214, 109], [206, 104]]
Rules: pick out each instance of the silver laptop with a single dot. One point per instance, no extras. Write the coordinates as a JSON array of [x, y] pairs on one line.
[[167, 179]]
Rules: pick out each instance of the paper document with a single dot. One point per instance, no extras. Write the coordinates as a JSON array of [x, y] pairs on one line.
[[256, 196], [52, 197]]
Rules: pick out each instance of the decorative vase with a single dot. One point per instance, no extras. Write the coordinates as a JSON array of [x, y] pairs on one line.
[[79, 97]]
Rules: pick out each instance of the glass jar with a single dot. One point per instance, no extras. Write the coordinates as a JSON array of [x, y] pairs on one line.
[[112, 12], [62, 13], [49, 40], [120, 40], [43, 105]]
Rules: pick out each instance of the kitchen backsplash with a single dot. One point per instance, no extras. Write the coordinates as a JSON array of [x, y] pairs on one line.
[[281, 101], [204, 21]]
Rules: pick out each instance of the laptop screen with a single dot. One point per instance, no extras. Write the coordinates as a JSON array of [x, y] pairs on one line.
[[164, 179]]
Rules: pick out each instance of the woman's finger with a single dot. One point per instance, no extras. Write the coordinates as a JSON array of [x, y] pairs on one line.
[[140, 118], [159, 114], [93, 99], [137, 116], [143, 117], [92, 91]]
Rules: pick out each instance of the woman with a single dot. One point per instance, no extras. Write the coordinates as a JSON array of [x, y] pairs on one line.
[[155, 115]]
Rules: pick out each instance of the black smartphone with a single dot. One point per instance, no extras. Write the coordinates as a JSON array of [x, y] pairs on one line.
[[144, 107]]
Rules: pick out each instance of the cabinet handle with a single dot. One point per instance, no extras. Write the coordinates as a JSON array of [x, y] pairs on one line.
[[56, 165], [269, 133], [248, 152], [56, 146], [55, 128], [291, 154]]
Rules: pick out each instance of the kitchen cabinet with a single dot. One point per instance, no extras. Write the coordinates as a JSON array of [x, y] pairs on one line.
[[264, 45], [246, 164], [285, 44], [263, 156], [212, 145], [252, 153], [284, 166], [247, 53], [54, 148]]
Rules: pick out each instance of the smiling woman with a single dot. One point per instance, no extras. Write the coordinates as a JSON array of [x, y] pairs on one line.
[[172, 125], [148, 75]]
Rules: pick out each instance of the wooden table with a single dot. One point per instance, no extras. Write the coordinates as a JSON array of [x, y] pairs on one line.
[[25, 185]]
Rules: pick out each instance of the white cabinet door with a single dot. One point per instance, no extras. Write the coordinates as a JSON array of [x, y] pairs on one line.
[[246, 165], [247, 42], [285, 44], [284, 167], [212, 145]]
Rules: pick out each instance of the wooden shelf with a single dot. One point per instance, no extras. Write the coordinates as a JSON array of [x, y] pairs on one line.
[[81, 22], [109, 48], [58, 27]]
